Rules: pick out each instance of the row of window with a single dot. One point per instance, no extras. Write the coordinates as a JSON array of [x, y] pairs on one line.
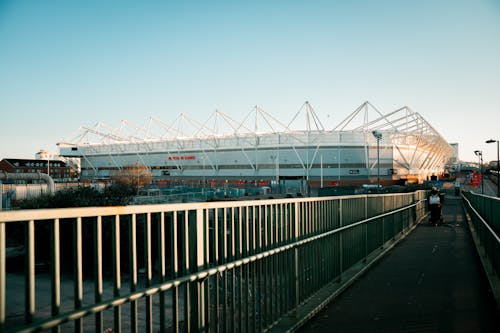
[[57, 173], [39, 164]]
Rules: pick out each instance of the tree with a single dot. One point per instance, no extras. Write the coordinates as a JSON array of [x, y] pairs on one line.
[[134, 175]]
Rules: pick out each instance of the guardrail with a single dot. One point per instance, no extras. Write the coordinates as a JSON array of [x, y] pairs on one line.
[[484, 212], [218, 266]]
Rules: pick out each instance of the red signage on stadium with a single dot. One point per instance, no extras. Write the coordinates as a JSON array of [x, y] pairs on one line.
[[181, 157]]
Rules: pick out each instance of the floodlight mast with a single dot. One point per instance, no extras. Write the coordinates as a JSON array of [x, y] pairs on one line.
[[479, 154], [498, 165], [378, 136]]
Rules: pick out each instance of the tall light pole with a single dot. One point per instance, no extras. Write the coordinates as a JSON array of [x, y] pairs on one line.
[[479, 154], [275, 159], [378, 136], [498, 165], [203, 158]]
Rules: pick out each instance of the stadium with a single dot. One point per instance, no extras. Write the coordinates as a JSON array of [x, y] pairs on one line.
[[365, 148]]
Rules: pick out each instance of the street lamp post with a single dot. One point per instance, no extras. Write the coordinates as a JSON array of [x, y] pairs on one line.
[[479, 154], [203, 158], [498, 165], [275, 159], [378, 136]]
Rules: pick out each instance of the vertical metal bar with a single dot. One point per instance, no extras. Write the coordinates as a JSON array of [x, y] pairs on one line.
[[98, 271], [247, 290], [315, 255], [234, 235], [186, 270], [265, 218], [2, 276], [161, 258], [274, 287], [55, 276], [133, 270], [278, 290], [116, 272], [240, 239], [224, 273], [267, 265], [265, 295], [216, 235], [233, 271], [175, 265], [208, 303], [216, 261], [365, 228], [246, 276], [149, 272], [257, 310], [29, 280], [247, 230], [296, 296], [262, 293], [206, 214], [224, 236], [328, 227], [341, 240], [259, 227], [240, 269], [383, 223], [200, 264], [78, 271], [217, 302]]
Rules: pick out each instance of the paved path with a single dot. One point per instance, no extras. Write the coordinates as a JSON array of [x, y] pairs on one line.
[[431, 282]]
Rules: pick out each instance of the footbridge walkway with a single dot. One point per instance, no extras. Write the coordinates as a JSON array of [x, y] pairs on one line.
[[433, 281], [364, 263]]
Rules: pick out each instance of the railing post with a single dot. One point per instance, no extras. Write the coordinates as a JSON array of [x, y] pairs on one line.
[[296, 258], [78, 271], [2, 276], [148, 265], [132, 234], [383, 223], [117, 284], [200, 264], [365, 228], [161, 258], [98, 287], [55, 274], [341, 245], [29, 273]]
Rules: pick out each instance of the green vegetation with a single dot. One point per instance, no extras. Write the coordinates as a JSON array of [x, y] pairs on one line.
[[117, 194]]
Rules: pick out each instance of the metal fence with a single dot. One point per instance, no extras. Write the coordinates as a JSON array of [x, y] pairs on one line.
[[484, 212], [28, 191], [219, 266]]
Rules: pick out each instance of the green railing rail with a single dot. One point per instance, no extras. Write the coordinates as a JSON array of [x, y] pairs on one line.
[[221, 266], [484, 212]]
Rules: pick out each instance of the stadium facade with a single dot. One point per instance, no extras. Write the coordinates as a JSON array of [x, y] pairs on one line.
[[262, 149]]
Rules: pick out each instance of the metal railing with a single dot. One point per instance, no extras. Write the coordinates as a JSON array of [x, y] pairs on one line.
[[484, 212], [218, 266]]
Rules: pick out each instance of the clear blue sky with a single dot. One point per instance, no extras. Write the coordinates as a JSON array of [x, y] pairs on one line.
[[64, 64]]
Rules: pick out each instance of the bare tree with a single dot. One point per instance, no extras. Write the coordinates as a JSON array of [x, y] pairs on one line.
[[134, 175]]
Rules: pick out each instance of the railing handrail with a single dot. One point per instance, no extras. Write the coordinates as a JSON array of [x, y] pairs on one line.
[[74, 212], [208, 243], [483, 221], [200, 275]]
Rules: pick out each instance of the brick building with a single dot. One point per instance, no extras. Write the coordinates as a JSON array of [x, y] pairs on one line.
[[58, 170]]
